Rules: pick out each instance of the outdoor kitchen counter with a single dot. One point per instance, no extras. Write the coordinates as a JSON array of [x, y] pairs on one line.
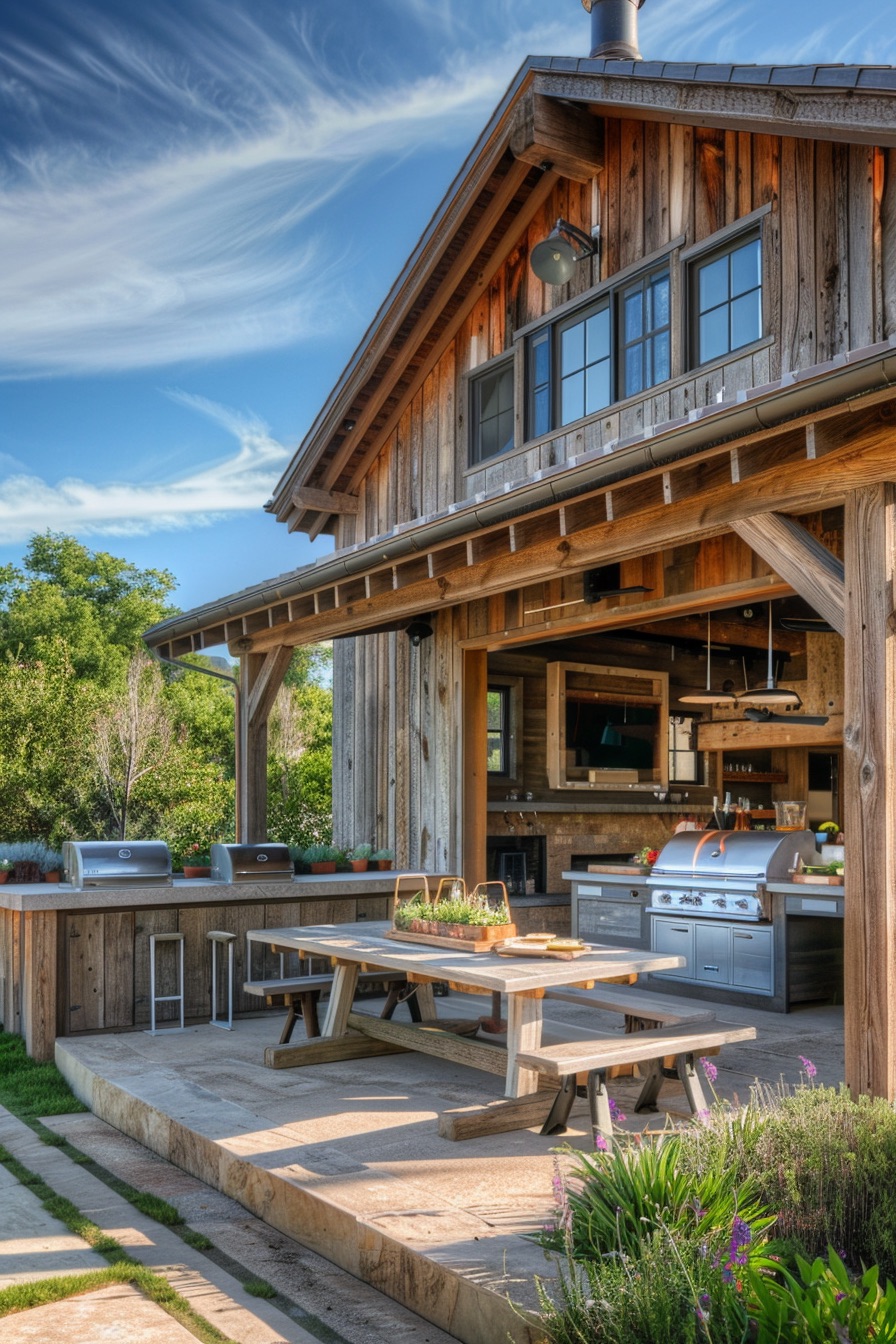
[[75, 961]]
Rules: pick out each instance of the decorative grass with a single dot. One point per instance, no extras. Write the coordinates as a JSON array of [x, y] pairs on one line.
[[29, 1088]]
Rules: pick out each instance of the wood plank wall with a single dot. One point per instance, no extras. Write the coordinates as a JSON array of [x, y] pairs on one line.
[[829, 285]]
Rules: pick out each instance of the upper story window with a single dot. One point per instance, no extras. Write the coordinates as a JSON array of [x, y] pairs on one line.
[[726, 299], [491, 411], [614, 347]]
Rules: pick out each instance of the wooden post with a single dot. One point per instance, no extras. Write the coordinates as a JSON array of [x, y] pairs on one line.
[[869, 791], [40, 978], [473, 785], [261, 676]]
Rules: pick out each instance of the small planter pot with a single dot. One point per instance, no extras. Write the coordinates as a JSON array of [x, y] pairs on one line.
[[4, 875], [359, 865], [50, 877], [194, 870], [383, 864], [329, 866]]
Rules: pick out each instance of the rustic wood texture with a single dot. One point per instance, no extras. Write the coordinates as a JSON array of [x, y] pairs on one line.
[[809, 568], [40, 1002], [10, 970], [869, 793]]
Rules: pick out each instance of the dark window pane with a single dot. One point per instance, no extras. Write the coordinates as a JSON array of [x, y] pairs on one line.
[[488, 438], [597, 335], [633, 314], [572, 348], [714, 333], [746, 319], [661, 357], [541, 361], [489, 401], [713, 283], [541, 412], [572, 393], [745, 268], [597, 391], [633, 374], [659, 291]]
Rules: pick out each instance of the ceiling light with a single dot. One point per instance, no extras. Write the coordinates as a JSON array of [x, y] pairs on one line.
[[771, 694], [554, 259], [709, 696]]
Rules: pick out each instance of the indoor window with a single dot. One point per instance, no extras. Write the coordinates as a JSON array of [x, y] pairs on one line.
[[491, 412], [726, 297], [498, 701]]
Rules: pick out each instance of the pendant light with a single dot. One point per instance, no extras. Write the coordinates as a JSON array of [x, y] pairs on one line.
[[770, 694], [709, 696]]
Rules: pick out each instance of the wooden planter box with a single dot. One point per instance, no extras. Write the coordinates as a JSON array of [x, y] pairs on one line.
[[464, 937]]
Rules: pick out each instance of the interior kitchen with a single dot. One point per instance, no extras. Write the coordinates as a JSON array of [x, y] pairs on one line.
[[614, 755]]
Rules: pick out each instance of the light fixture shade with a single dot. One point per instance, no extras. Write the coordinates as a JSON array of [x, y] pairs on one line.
[[771, 695], [554, 259], [708, 696]]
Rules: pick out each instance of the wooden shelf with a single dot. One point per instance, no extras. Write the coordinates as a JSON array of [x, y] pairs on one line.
[[757, 776]]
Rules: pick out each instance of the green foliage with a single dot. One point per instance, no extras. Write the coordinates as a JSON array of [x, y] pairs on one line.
[[312, 665], [320, 853], [259, 1288], [363, 851], [97, 604], [821, 1302]]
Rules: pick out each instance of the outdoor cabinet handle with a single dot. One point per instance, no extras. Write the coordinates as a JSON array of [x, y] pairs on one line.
[[680, 928], [710, 968], [743, 935]]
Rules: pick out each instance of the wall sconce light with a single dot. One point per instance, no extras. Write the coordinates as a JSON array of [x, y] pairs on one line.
[[554, 259], [417, 631], [604, 582]]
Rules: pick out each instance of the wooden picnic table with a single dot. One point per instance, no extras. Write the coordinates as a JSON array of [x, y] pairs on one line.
[[523, 980]]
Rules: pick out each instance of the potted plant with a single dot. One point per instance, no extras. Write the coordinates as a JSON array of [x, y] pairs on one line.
[[6, 867], [321, 858], [467, 917], [359, 858], [51, 866], [197, 862], [645, 858], [383, 858]]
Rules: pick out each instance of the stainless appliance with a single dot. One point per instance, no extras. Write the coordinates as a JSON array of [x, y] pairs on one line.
[[724, 874], [116, 863], [251, 863]]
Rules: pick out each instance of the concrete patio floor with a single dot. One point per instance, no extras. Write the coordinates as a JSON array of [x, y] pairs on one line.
[[345, 1158]]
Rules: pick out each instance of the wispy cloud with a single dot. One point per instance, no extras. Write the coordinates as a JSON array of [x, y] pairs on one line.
[[196, 498], [168, 190]]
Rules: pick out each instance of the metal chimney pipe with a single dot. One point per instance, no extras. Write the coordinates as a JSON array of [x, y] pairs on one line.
[[614, 28]]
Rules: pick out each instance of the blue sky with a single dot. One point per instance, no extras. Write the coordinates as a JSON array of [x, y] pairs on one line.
[[202, 205]]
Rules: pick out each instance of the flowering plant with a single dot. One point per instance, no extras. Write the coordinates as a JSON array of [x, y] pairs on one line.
[[646, 856]]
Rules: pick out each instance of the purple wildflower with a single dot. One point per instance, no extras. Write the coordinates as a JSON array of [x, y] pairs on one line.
[[839, 1297], [600, 1143], [709, 1069], [808, 1066], [615, 1114]]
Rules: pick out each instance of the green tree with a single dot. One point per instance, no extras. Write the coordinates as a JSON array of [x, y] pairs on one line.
[[132, 737], [97, 603]]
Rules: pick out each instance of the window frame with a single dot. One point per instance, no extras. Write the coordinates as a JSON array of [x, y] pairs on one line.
[[721, 243], [502, 364], [607, 293], [511, 689]]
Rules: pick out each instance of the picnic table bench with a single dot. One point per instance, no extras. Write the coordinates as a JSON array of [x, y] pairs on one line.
[[301, 994]]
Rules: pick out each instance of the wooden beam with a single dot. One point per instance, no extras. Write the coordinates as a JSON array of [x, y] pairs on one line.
[[327, 501], [809, 568], [567, 137], [745, 735], [266, 682], [474, 781], [869, 792]]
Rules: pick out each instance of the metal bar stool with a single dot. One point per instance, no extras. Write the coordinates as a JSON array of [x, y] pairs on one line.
[[217, 938], [155, 998]]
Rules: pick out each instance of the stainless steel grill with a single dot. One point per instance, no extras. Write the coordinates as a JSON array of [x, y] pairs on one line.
[[723, 874], [116, 863], [251, 863]]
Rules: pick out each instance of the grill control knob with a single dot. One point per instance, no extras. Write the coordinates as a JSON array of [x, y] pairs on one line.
[[665, 898], [742, 904], [698, 900], [720, 902]]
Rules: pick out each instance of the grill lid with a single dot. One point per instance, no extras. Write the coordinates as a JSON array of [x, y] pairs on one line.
[[251, 863], [746, 856], [98, 863]]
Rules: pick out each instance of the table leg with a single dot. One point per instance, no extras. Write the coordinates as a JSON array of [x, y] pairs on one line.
[[342, 993], [524, 1023]]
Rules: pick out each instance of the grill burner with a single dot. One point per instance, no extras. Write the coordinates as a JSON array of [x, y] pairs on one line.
[[723, 874]]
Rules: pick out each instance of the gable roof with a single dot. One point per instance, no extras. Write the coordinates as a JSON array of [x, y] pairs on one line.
[[505, 179]]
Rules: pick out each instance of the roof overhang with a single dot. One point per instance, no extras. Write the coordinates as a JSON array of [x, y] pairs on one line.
[[729, 452]]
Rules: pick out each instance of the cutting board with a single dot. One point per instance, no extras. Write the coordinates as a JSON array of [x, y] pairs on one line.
[[635, 869], [819, 879]]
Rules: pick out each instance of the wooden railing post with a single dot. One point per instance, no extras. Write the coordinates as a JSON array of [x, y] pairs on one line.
[[474, 717]]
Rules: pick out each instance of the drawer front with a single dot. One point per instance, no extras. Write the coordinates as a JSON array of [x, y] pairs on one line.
[[712, 954], [609, 919], [674, 936], [753, 959]]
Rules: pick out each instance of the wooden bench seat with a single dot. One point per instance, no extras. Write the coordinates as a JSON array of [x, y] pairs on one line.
[[599, 1054], [301, 994], [638, 1006]]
